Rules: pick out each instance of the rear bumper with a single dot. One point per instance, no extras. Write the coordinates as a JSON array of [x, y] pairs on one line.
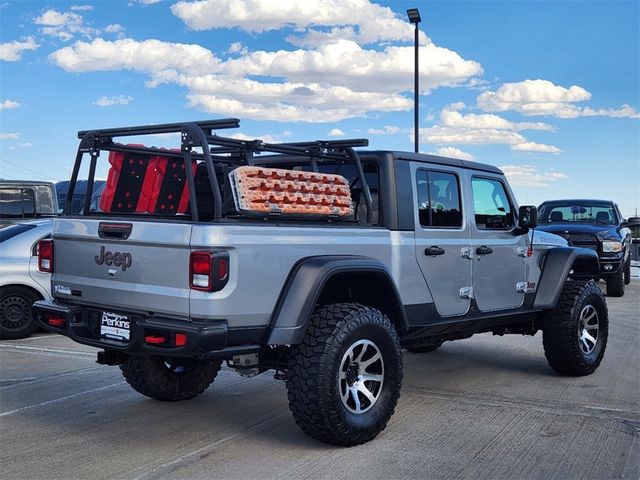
[[205, 339]]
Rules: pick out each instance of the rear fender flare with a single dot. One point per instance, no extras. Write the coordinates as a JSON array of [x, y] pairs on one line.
[[304, 288]]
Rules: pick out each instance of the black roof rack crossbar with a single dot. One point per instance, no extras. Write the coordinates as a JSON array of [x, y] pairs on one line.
[[328, 149], [330, 144], [206, 125]]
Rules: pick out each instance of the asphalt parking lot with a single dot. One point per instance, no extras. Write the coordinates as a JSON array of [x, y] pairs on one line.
[[487, 407]]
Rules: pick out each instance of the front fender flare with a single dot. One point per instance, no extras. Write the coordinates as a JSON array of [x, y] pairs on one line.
[[558, 263]]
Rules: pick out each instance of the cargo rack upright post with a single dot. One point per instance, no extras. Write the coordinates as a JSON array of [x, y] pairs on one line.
[[201, 134]]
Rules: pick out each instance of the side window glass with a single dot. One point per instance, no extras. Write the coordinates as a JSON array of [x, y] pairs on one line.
[[445, 200], [438, 199], [424, 210], [491, 205]]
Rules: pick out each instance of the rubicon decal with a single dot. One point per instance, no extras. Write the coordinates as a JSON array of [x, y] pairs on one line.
[[118, 259]]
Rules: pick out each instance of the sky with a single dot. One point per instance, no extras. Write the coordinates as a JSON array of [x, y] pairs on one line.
[[549, 91]]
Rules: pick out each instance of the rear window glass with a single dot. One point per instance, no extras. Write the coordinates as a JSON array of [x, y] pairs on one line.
[[578, 212], [13, 230], [17, 203]]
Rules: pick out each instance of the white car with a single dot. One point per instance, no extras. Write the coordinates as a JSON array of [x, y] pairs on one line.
[[21, 283]]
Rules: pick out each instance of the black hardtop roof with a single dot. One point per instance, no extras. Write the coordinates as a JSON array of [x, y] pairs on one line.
[[450, 162]]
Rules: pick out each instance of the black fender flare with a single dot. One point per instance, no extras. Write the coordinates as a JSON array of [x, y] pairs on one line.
[[558, 264], [303, 289]]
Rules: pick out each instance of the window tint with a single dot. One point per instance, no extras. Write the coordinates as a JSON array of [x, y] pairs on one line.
[[491, 204], [438, 199], [17, 203]]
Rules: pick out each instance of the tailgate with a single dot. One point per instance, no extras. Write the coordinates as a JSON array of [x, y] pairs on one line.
[[146, 270]]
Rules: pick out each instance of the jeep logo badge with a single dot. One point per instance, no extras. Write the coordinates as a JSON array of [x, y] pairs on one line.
[[118, 259]]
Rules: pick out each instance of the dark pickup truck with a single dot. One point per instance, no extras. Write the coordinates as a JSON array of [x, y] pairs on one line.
[[596, 225]]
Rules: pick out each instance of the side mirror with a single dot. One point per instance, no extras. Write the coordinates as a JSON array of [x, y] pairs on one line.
[[527, 217]]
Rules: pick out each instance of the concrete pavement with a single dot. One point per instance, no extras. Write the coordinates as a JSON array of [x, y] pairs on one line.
[[486, 407]]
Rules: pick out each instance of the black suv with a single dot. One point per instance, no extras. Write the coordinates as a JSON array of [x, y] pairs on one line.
[[594, 224]]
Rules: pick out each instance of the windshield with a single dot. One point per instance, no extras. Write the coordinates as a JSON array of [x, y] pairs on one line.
[[578, 212]]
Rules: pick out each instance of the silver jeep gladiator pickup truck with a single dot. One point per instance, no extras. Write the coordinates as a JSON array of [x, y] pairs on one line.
[[312, 259]]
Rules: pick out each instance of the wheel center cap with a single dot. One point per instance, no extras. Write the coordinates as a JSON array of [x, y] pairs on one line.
[[352, 373]]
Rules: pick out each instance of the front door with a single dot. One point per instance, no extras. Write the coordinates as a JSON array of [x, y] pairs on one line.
[[499, 255], [442, 237]]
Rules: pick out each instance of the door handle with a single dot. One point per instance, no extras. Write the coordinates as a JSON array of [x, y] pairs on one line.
[[433, 251], [484, 250]]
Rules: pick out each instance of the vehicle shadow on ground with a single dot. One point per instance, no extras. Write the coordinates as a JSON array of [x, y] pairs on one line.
[[469, 358]]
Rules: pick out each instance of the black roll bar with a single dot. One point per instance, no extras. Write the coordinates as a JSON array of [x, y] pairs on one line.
[[222, 149]]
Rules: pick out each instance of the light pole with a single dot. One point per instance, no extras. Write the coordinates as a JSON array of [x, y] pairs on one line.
[[414, 17]]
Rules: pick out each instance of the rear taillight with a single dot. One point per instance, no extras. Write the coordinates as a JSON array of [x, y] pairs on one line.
[[45, 255], [208, 270]]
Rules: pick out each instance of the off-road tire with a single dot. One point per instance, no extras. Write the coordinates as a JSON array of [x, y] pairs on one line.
[[313, 380], [562, 329], [615, 284], [627, 271], [424, 348], [169, 380], [15, 312]]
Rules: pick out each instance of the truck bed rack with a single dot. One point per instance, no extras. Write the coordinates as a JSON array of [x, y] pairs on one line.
[[215, 149]]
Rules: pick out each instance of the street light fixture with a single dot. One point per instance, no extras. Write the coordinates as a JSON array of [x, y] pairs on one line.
[[414, 17]]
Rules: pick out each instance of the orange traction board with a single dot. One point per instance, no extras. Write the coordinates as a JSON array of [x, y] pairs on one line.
[[259, 190]]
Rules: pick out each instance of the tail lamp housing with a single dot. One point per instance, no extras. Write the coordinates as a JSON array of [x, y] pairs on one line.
[[208, 270], [45, 255]]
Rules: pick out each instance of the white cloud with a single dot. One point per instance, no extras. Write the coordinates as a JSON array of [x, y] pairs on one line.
[[453, 152], [12, 51], [336, 132], [266, 138], [456, 119], [9, 136], [8, 104], [238, 47], [284, 101], [346, 63], [149, 2], [535, 147], [24, 145], [62, 25], [358, 20], [110, 101], [529, 176], [66, 25], [147, 56], [114, 28], [386, 130], [542, 97], [471, 129], [326, 84]]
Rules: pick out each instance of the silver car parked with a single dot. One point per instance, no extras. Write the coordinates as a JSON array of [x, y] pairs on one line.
[[21, 283]]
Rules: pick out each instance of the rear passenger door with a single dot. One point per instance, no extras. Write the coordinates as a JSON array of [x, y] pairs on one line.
[[499, 255], [442, 236]]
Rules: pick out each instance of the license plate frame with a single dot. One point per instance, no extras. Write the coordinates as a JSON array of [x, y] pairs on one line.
[[115, 326]]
